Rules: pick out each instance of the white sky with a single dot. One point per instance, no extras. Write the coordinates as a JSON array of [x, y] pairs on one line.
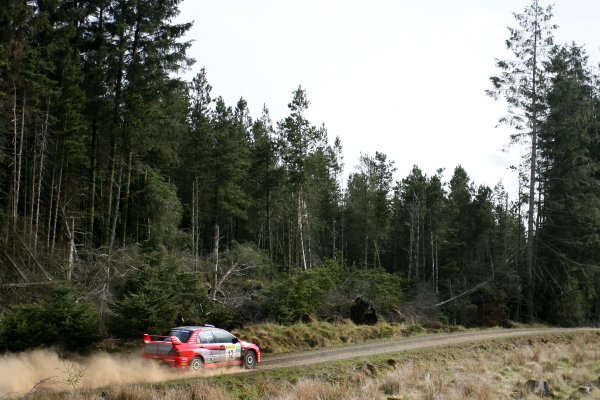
[[403, 77]]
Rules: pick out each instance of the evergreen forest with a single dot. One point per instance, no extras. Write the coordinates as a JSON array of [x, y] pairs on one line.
[[132, 200]]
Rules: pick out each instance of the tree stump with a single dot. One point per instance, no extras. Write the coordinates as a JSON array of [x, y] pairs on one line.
[[362, 312]]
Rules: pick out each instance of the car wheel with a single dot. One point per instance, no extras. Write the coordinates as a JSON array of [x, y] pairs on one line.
[[250, 359], [197, 364]]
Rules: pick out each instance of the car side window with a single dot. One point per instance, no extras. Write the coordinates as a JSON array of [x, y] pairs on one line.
[[206, 337], [223, 337]]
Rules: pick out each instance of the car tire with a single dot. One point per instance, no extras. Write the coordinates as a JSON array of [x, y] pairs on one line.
[[197, 364], [250, 359]]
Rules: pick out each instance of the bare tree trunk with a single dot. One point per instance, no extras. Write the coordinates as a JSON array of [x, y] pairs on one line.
[[148, 227], [193, 223], [71, 255], [423, 244], [269, 232], [365, 236], [437, 268], [126, 201], [305, 215], [50, 207], [20, 159], [342, 235], [109, 191], [41, 174], [113, 140], [32, 199], [300, 228], [198, 237], [410, 247], [92, 186], [413, 248], [58, 194], [532, 179], [15, 185], [115, 214], [216, 267], [432, 255], [418, 244], [376, 257], [289, 243], [333, 234]]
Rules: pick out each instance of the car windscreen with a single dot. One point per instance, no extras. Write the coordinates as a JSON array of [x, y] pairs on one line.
[[182, 335]]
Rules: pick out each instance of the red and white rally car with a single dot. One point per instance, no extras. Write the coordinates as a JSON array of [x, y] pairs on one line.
[[197, 347]]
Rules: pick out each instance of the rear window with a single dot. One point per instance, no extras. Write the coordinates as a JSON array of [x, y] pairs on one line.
[[182, 335]]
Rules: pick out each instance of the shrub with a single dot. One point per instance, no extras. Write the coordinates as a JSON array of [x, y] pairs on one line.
[[149, 311], [300, 294], [158, 297], [64, 319], [383, 289], [22, 328], [75, 319]]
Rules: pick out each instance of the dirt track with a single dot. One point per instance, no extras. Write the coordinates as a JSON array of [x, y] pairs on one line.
[[398, 345]]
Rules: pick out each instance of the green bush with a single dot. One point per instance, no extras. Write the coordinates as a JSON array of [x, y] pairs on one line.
[[328, 291], [160, 296], [64, 319], [382, 288], [75, 319], [149, 311], [22, 328], [300, 294]]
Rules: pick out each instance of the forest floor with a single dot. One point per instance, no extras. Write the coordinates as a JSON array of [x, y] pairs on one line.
[[492, 364]]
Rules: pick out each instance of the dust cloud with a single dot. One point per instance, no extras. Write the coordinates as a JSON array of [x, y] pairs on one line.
[[45, 370]]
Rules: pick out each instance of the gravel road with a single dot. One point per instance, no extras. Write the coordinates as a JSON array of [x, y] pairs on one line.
[[270, 362]]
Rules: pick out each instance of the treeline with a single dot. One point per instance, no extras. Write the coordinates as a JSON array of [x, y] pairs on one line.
[[125, 187]]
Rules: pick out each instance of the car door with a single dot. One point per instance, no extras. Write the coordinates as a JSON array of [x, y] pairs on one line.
[[229, 345], [211, 351]]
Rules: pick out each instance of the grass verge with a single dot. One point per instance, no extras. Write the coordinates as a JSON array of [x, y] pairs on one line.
[[273, 338]]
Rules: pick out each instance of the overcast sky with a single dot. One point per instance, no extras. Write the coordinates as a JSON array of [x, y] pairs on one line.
[[403, 77]]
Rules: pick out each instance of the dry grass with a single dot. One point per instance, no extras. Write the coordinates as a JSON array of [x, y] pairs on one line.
[[197, 391], [497, 374]]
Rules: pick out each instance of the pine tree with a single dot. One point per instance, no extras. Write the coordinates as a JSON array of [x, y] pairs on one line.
[[570, 222], [264, 181], [298, 142], [368, 211], [522, 83]]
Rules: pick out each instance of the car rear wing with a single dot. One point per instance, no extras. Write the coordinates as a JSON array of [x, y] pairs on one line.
[[161, 339]]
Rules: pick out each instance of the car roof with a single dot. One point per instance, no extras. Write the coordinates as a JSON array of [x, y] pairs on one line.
[[195, 327]]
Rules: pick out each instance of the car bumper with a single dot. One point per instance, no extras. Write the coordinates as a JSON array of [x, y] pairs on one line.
[[175, 362]]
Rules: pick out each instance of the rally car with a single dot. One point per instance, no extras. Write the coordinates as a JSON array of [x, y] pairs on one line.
[[198, 347]]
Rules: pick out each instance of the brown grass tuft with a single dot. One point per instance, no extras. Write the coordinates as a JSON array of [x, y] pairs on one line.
[[314, 390], [203, 391], [398, 381], [131, 392]]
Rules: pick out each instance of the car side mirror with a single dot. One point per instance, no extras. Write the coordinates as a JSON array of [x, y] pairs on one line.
[[235, 340]]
